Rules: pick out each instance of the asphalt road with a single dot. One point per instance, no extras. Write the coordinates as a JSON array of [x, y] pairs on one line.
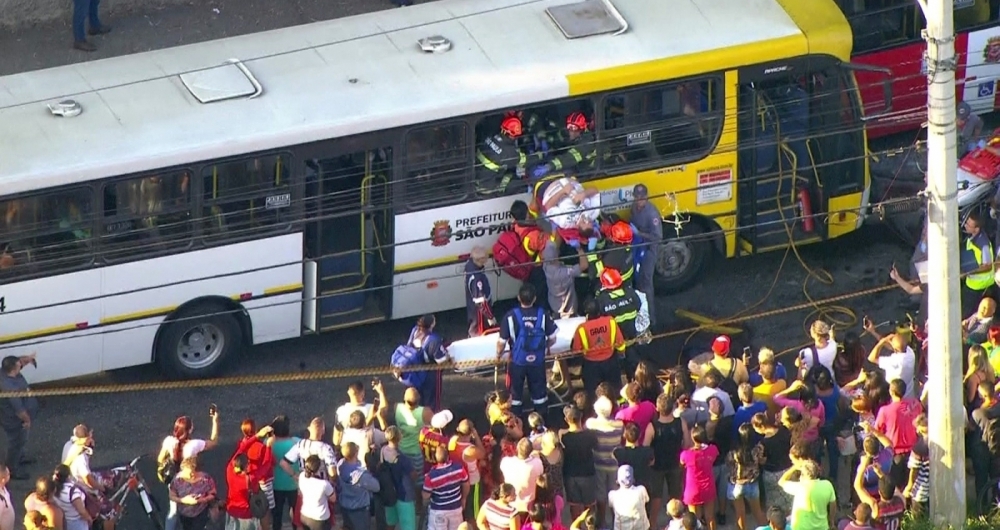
[[48, 45], [131, 424]]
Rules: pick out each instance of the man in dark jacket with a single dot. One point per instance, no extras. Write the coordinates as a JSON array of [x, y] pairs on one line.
[[478, 293]]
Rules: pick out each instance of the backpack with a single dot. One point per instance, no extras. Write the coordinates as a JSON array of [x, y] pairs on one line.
[[406, 356], [530, 340], [509, 254], [386, 476], [729, 386]]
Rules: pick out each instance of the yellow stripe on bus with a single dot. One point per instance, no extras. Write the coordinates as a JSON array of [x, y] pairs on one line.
[[128, 317], [136, 315], [38, 333], [428, 263], [283, 289]]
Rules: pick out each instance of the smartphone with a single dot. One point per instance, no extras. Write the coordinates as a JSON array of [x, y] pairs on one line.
[[746, 350], [865, 321], [213, 409]]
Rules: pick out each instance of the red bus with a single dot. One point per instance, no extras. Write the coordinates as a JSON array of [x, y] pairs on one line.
[[887, 34]]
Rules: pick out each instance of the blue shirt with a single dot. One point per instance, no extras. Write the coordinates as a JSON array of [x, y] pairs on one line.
[[477, 285], [745, 412], [830, 404], [355, 485], [444, 483], [779, 373]]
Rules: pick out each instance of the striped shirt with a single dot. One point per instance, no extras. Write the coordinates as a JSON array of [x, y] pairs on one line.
[[305, 448], [607, 439], [498, 517], [444, 483], [919, 461]]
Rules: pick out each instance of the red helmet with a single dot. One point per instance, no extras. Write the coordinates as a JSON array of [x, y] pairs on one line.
[[576, 120], [620, 233], [511, 126], [611, 279]]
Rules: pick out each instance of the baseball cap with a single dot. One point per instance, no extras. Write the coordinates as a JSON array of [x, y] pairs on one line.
[[964, 110], [640, 191], [442, 419], [626, 477], [720, 346]]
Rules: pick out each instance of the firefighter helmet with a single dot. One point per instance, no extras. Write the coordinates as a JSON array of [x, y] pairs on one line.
[[511, 126], [611, 279], [576, 120], [620, 233]]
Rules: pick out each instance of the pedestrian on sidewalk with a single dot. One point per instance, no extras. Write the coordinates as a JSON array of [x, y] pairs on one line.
[[82, 11]]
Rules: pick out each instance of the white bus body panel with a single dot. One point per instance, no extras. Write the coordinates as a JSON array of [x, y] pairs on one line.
[[116, 297], [433, 246]]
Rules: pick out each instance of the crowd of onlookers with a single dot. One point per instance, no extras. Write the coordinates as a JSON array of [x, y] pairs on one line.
[[835, 438]]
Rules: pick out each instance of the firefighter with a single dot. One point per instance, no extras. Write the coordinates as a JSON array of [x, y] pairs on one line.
[[580, 151], [616, 252], [541, 135], [621, 303], [500, 159]]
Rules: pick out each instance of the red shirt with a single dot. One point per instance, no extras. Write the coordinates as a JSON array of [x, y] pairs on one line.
[[238, 492], [895, 420], [429, 442], [260, 458]]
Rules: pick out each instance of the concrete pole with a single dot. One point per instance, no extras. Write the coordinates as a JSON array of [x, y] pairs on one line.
[[946, 414]]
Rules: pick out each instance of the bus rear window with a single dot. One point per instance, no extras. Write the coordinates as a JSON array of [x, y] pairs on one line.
[[147, 214], [50, 232], [246, 196]]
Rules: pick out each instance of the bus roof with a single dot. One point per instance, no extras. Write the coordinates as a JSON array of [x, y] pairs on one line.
[[365, 73]]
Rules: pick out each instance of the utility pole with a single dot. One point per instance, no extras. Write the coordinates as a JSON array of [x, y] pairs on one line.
[[946, 414]]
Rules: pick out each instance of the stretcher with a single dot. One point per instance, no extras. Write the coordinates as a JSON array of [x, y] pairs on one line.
[[484, 347]]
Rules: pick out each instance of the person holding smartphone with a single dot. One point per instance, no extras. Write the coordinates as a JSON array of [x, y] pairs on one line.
[[192, 490]]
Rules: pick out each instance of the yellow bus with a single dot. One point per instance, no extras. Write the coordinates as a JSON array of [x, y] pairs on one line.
[[178, 206]]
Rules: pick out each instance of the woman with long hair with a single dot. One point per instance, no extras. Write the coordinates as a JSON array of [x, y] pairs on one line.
[[71, 500], [776, 442], [179, 445], [807, 405], [823, 349], [42, 500], [261, 461], [193, 491], [539, 518], [979, 371], [743, 464], [649, 386], [498, 512], [850, 361]]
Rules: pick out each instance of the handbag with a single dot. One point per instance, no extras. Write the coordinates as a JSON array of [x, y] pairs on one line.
[[257, 501]]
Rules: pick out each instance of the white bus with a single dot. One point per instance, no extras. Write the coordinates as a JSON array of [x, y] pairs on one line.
[[179, 206]]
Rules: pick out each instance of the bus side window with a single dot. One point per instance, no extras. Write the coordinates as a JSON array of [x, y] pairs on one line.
[[245, 196], [146, 215], [438, 165], [662, 125], [970, 13], [880, 23], [49, 233]]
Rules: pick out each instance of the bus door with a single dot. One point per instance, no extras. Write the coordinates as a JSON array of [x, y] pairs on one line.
[[777, 176], [348, 234]]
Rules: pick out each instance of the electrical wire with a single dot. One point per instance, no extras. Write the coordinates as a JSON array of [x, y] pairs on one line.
[[98, 331]]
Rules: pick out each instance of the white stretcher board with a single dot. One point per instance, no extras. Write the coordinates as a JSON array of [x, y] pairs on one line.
[[484, 347]]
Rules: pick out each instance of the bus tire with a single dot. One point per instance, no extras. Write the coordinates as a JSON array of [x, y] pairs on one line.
[[681, 260], [198, 342]]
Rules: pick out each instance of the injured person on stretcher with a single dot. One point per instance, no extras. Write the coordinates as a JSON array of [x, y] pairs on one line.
[[569, 206]]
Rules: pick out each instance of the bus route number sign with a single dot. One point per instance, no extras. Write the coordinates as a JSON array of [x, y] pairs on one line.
[[3, 304]]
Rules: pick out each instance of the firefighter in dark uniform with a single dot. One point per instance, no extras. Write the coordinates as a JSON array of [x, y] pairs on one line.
[[579, 153], [541, 135], [499, 159], [617, 252], [621, 303]]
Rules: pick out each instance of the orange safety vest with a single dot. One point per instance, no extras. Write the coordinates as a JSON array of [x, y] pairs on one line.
[[598, 339]]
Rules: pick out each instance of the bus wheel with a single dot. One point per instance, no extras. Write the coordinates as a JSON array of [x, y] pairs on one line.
[[680, 260], [198, 342]]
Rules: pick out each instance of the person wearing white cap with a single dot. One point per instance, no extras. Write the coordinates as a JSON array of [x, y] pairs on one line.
[[432, 437], [628, 502]]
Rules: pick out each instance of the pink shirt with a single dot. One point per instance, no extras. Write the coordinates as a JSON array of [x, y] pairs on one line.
[[895, 420], [812, 433], [699, 482], [641, 414]]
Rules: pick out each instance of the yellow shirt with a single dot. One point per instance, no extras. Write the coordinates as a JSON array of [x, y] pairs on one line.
[[765, 392]]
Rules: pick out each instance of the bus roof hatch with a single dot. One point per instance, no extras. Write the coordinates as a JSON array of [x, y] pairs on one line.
[[232, 80], [588, 18]]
